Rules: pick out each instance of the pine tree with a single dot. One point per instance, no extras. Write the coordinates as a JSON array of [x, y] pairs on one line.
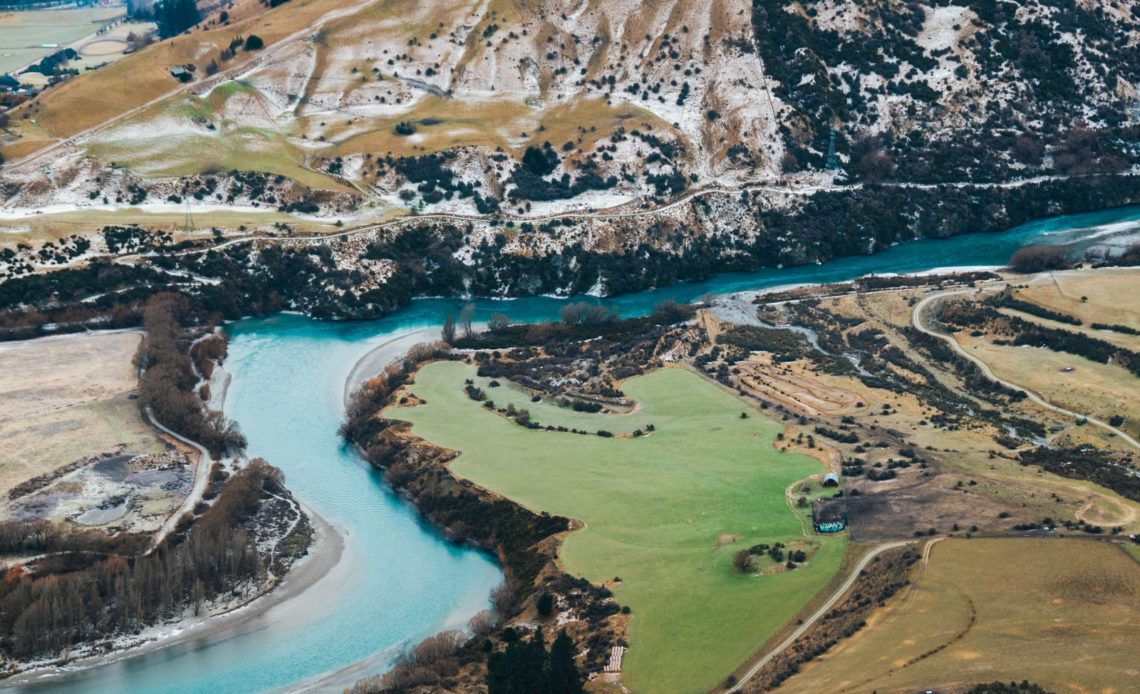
[[562, 675], [175, 16]]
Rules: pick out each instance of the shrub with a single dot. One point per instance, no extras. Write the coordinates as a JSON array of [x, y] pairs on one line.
[[545, 604], [742, 561], [1039, 258], [541, 161]]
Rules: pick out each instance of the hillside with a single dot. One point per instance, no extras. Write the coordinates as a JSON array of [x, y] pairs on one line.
[[637, 100], [536, 143]]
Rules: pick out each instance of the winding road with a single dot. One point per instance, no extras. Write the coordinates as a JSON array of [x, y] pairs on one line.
[[918, 320], [201, 477], [818, 614]]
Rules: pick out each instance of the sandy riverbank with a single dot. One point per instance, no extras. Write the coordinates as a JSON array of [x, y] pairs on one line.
[[384, 354]]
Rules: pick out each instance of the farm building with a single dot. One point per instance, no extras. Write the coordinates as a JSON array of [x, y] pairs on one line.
[[829, 515], [831, 480]]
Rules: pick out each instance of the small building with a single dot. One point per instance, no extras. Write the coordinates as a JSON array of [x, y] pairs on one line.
[[831, 480], [829, 515]]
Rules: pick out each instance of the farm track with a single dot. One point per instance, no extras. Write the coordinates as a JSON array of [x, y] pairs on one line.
[[201, 477], [918, 320], [616, 212], [817, 615]]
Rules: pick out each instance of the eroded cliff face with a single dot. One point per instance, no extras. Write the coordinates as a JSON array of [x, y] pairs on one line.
[[535, 109]]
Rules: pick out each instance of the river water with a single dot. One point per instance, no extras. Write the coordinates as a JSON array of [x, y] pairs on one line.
[[398, 580]]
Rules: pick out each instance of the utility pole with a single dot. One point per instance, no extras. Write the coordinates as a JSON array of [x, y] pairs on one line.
[[188, 222]]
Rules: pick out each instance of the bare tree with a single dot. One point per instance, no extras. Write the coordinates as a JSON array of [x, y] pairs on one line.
[[482, 623], [498, 322], [466, 316], [448, 333], [504, 597]]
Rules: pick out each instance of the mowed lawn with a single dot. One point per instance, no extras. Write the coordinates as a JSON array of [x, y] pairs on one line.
[[1064, 613], [665, 512]]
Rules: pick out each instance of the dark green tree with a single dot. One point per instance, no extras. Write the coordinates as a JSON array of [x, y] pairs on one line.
[[562, 675], [545, 604], [541, 160], [175, 16]]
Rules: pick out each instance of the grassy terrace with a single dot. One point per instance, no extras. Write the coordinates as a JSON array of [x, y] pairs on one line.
[[1063, 613], [665, 512]]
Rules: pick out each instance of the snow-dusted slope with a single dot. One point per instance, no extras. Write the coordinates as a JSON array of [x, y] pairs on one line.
[[625, 103]]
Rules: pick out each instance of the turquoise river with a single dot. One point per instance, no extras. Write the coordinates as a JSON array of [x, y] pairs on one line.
[[398, 580]]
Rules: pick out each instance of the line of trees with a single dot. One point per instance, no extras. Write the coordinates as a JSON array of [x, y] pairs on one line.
[[175, 16], [1039, 258], [1079, 344], [168, 380], [68, 599]]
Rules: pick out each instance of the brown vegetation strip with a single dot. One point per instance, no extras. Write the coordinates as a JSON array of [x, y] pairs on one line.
[[882, 579]]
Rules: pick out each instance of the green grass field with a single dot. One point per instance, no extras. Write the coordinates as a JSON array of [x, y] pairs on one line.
[[665, 512]]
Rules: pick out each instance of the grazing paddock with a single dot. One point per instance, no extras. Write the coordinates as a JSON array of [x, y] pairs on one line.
[[22, 34], [63, 398], [1064, 613], [1110, 295], [1066, 380], [665, 512], [191, 135]]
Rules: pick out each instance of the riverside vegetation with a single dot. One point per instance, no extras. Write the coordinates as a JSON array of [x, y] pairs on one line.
[[91, 589], [85, 592]]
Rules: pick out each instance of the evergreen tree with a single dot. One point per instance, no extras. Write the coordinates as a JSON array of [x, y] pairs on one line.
[[562, 675], [175, 16], [532, 668], [526, 668]]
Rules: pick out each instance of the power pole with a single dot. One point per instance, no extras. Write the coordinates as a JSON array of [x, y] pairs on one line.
[[188, 222]]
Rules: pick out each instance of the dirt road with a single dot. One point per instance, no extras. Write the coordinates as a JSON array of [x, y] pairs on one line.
[[919, 323], [201, 477], [817, 615]]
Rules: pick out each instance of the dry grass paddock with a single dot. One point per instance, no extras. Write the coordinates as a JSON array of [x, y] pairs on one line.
[[64, 398]]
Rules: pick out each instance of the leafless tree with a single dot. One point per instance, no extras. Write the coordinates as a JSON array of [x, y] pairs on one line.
[[466, 316], [498, 322], [482, 623]]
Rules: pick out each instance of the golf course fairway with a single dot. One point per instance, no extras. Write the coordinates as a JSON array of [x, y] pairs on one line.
[[665, 512]]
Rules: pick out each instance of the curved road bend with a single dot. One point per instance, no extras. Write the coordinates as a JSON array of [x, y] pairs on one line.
[[818, 614], [917, 320], [201, 476]]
